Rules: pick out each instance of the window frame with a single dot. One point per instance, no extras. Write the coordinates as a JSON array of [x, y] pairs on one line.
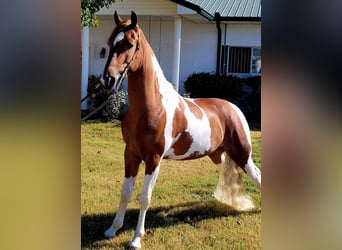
[[225, 58]]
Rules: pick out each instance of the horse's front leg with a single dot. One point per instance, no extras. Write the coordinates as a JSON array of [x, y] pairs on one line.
[[151, 174], [131, 170]]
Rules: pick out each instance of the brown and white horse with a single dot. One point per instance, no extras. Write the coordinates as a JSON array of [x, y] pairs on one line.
[[160, 124]]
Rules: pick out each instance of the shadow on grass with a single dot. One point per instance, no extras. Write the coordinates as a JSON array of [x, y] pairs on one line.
[[93, 226]]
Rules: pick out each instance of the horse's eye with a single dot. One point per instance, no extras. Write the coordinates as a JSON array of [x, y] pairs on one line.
[[130, 45]]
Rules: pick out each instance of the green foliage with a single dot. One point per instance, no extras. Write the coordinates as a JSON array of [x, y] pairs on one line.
[[210, 85], [252, 99], [244, 92], [89, 9], [114, 109]]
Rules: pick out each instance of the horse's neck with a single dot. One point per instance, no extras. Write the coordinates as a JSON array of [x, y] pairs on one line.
[[147, 83]]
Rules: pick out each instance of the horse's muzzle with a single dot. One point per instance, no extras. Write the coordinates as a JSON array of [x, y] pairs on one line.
[[111, 83]]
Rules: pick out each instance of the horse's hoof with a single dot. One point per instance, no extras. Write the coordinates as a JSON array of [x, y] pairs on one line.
[[110, 233], [134, 244], [130, 248]]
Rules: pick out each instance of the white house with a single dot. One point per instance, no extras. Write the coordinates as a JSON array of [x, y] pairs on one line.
[[222, 37]]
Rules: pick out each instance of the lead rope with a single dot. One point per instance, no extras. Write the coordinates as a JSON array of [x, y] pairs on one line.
[[96, 110], [95, 88]]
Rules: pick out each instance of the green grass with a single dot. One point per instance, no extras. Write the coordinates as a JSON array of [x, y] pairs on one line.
[[183, 213]]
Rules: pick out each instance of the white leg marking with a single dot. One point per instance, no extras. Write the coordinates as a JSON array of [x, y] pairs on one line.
[[253, 172], [126, 193], [144, 202]]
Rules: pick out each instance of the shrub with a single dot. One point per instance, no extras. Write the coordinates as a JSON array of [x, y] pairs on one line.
[[253, 104], [244, 92], [114, 108], [210, 85]]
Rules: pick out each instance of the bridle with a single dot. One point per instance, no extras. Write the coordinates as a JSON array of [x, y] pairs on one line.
[[111, 83]]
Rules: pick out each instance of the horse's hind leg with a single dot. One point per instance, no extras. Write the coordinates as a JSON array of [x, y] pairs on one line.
[[131, 170], [253, 172]]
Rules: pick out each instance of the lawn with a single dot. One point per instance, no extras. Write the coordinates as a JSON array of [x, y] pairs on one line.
[[183, 213]]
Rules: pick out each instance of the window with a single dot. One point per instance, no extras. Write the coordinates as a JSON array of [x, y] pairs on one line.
[[240, 60], [256, 60]]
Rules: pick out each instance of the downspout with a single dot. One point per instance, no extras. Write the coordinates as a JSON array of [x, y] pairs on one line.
[[219, 38]]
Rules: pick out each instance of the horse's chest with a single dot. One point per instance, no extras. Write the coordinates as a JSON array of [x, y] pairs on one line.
[[144, 130]]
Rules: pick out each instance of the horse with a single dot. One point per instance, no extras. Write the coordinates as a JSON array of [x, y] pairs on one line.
[[161, 124]]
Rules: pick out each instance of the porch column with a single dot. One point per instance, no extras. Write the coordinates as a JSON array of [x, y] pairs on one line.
[[85, 66], [176, 52]]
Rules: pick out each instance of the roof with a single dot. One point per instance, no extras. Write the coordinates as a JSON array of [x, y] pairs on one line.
[[227, 10]]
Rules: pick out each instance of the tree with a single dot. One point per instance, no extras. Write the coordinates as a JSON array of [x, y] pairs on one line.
[[88, 10]]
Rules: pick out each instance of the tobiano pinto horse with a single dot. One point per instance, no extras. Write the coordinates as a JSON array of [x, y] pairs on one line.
[[160, 124]]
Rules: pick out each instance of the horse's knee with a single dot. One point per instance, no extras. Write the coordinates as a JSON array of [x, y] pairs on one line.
[[126, 195], [127, 190], [144, 201]]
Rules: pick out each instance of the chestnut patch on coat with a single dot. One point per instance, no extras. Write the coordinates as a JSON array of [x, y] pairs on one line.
[[179, 122], [183, 144]]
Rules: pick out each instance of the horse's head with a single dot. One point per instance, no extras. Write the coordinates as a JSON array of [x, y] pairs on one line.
[[124, 44]]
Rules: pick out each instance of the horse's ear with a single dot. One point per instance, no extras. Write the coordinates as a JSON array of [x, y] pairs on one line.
[[134, 19], [117, 19]]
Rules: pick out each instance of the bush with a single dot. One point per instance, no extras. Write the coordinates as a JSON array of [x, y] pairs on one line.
[[253, 100], [210, 85], [114, 109], [244, 92]]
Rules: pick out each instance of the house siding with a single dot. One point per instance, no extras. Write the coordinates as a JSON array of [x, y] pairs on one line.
[[198, 50], [198, 45], [241, 34], [151, 7], [156, 18]]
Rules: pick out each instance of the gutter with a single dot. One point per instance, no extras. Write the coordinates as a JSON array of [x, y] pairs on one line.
[[196, 8], [219, 38]]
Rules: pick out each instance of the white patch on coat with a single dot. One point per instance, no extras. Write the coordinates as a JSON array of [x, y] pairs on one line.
[[118, 38], [170, 100], [199, 129]]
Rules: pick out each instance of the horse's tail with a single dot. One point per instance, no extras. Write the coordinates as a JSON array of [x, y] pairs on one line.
[[229, 188]]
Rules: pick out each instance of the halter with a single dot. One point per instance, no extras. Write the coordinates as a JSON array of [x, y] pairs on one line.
[[124, 72]]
